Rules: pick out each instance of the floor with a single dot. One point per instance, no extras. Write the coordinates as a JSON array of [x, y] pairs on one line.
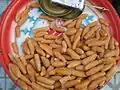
[[7, 84]]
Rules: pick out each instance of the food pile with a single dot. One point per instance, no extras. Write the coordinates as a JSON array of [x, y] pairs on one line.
[[78, 59]]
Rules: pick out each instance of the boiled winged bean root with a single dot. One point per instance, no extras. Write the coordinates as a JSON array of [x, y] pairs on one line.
[[15, 48], [37, 62], [35, 5], [47, 17], [81, 58]]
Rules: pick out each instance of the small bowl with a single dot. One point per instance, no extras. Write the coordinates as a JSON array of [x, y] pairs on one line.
[[59, 11], [54, 9]]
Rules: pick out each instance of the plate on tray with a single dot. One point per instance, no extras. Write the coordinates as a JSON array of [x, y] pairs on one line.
[[8, 24]]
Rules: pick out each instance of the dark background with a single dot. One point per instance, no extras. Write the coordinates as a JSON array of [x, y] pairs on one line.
[[116, 4]]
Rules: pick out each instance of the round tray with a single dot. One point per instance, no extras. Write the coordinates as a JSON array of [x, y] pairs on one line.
[[7, 24]]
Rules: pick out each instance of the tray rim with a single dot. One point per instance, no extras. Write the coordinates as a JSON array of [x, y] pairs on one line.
[[113, 14]]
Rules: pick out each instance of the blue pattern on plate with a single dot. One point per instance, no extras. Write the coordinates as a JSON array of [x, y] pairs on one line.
[[30, 23], [33, 19], [88, 20]]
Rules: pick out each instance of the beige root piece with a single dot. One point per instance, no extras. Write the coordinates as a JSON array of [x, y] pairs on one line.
[[12, 58], [89, 53], [92, 64], [67, 40], [102, 84], [47, 49], [56, 46], [23, 60], [35, 5], [112, 43], [72, 38], [112, 53], [45, 61], [45, 80], [44, 41], [31, 46], [107, 67], [55, 78], [25, 79], [112, 71], [78, 33], [64, 80], [79, 51], [47, 17], [83, 56], [71, 83], [22, 84], [83, 84], [64, 46], [37, 86], [72, 24], [78, 73], [70, 31], [73, 54], [107, 40], [59, 56], [39, 51], [74, 64], [102, 21], [57, 85], [97, 43], [67, 57], [50, 36], [75, 43], [43, 29], [28, 57], [98, 49], [67, 22], [31, 72], [43, 71], [21, 65], [59, 29], [79, 21], [18, 17], [98, 35], [97, 75], [22, 20], [94, 70], [85, 48], [25, 12], [63, 71], [89, 59], [32, 62], [95, 83], [80, 67], [37, 62], [58, 64], [92, 31], [25, 48], [46, 86], [12, 74], [17, 31], [15, 48]]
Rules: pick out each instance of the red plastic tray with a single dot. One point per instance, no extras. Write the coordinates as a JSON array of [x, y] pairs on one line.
[[16, 5]]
